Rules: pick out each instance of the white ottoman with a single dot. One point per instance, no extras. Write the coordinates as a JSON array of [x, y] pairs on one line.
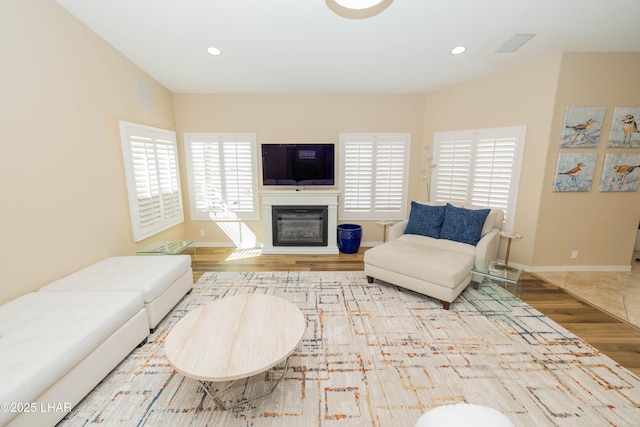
[[463, 415]]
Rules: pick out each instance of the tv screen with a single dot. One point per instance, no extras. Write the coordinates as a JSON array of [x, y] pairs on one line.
[[298, 164]]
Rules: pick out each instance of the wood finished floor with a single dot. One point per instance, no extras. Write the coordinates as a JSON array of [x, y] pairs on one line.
[[617, 339]]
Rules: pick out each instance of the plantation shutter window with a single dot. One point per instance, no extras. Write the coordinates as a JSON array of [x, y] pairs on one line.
[[453, 159], [153, 179], [494, 171], [480, 167], [222, 181], [373, 175], [357, 176]]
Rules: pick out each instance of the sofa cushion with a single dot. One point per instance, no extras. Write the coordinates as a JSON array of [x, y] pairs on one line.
[[425, 220], [43, 336], [463, 225], [149, 275]]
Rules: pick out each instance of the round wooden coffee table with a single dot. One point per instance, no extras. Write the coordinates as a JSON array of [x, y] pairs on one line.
[[235, 338]]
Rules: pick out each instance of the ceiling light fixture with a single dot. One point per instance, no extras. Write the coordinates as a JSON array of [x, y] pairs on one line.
[[458, 50], [214, 51], [358, 9]]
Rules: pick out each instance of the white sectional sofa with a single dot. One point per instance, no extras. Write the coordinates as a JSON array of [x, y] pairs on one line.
[[56, 347], [57, 344], [162, 280], [432, 253]]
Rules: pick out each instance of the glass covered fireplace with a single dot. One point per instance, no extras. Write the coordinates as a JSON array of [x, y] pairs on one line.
[[299, 225]]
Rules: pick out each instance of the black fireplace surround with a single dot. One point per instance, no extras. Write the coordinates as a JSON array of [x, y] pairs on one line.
[[299, 225]]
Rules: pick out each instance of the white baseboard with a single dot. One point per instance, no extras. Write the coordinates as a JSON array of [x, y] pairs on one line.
[[566, 268], [220, 245], [259, 245]]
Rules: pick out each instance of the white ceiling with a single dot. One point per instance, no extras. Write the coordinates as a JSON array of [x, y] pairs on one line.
[[301, 46]]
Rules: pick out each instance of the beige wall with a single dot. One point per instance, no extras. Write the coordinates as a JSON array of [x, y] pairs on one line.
[[521, 96], [300, 118], [62, 178], [600, 226]]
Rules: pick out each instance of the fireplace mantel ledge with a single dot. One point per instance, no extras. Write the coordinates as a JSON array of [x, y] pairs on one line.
[[272, 193]]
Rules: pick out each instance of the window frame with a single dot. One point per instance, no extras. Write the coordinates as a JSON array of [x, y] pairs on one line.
[[369, 210], [225, 213], [162, 181], [478, 138]]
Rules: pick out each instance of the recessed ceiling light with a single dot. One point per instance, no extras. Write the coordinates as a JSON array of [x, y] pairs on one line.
[[214, 51], [458, 50]]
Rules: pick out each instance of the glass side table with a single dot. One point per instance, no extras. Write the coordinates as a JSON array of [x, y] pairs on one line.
[[507, 278], [172, 248]]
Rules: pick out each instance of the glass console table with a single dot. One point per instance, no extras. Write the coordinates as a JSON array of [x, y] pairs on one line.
[[506, 276], [172, 248]]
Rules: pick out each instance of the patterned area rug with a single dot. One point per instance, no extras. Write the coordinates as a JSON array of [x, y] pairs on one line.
[[377, 355]]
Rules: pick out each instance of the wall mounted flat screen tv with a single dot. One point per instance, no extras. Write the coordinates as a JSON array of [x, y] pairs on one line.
[[298, 164]]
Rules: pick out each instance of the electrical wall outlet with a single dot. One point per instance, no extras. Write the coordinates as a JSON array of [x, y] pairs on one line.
[[201, 233], [574, 254]]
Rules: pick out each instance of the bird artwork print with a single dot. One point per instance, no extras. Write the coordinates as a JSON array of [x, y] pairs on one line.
[[574, 172], [623, 171], [629, 127], [582, 129]]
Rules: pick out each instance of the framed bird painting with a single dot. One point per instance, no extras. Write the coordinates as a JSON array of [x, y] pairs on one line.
[[574, 172], [620, 172], [582, 127], [625, 128]]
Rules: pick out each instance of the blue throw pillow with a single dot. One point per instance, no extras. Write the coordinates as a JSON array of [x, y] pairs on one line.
[[425, 220], [463, 225]]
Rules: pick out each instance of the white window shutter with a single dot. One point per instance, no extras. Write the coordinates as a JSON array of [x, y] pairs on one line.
[[168, 177], [373, 175], [153, 179], [391, 156], [239, 176], [493, 172], [479, 167], [357, 176], [221, 170], [205, 183], [454, 157]]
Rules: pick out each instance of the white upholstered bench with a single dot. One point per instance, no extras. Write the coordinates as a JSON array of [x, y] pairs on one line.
[[161, 280]]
